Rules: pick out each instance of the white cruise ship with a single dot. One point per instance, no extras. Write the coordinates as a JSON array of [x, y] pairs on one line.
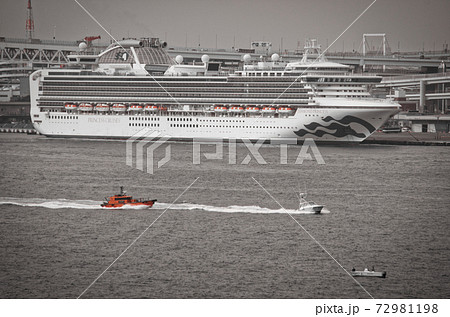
[[136, 85]]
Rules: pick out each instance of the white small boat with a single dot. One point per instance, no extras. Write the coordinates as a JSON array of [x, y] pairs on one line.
[[308, 206], [367, 273]]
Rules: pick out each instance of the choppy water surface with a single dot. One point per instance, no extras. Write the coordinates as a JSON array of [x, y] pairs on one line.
[[225, 237]]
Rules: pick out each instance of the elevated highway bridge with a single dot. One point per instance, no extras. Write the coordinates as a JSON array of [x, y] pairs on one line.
[[23, 55], [432, 90], [19, 57]]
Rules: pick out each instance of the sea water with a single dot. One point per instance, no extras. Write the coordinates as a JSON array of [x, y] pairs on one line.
[[221, 230]]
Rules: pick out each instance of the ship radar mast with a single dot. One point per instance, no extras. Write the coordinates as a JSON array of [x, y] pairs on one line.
[[312, 51]]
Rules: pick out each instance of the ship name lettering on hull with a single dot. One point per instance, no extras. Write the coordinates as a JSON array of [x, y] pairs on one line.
[[104, 120]]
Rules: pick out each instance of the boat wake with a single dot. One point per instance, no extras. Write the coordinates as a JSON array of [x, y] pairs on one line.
[[51, 203], [230, 209], [92, 204]]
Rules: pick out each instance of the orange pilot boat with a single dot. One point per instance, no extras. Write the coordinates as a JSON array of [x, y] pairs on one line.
[[122, 199]]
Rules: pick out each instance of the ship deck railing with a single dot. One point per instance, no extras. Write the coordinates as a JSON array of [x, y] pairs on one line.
[[308, 73]]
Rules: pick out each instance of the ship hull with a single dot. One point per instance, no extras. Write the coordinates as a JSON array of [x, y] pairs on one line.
[[332, 126]]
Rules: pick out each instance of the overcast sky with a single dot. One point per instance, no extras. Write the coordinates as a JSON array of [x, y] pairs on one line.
[[408, 24]]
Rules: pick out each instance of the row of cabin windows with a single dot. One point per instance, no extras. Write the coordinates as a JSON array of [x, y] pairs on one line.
[[297, 92], [181, 125], [169, 119], [179, 119], [344, 90], [242, 81], [217, 120], [202, 120], [64, 117], [143, 124], [109, 89], [263, 74], [144, 118]]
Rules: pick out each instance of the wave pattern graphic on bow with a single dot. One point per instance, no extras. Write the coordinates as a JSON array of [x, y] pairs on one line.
[[341, 127]]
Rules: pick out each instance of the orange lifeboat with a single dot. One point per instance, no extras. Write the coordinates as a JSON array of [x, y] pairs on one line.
[[220, 109], [85, 107], [285, 110], [151, 108], [122, 199], [136, 108], [102, 107], [269, 110], [252, 109], [237, 109], [70, 106], [117, 107]]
